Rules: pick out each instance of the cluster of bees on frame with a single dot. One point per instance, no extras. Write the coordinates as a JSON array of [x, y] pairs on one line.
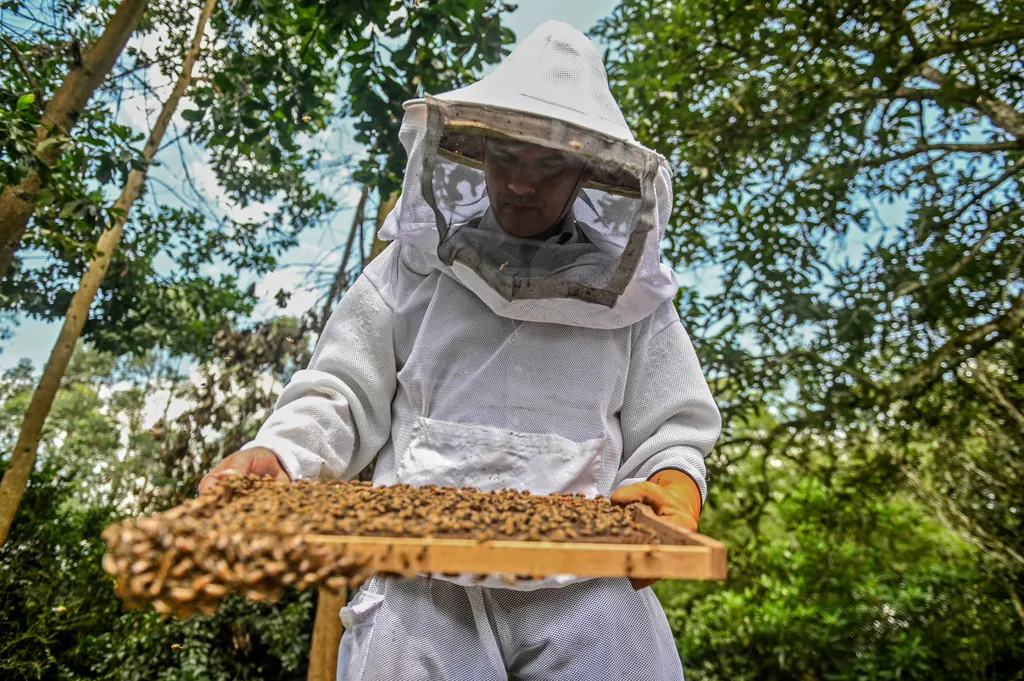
[[251, 537]]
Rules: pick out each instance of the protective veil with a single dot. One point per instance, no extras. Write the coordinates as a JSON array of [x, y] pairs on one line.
[[552, 91], [466, 356]]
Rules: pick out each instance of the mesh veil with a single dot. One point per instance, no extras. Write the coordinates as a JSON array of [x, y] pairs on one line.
[[552, 91]]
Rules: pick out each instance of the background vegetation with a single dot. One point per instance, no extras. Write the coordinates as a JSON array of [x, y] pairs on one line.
[[848, 192]]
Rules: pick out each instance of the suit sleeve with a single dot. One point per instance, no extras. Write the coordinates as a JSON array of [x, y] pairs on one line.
[[669, 418]]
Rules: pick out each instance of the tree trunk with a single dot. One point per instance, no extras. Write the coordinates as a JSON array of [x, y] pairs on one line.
[[23, 459], [61, 113]]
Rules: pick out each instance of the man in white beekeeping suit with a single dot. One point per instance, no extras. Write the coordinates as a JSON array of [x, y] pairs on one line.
[[519, 332]]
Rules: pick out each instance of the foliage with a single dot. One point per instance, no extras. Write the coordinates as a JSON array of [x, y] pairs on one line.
[[848, 179], [59, 617], [80, 486], [786, 142], [50, 605], [272, 86], [243, 641], [229, 400], [848, 585], [74, 204], [287, 81], [74, 627], [967, 466]]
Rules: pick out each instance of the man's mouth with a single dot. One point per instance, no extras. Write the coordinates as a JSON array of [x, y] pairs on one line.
[[517, 208]]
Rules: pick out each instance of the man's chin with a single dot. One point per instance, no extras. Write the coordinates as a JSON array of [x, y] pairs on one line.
[[519, 227]]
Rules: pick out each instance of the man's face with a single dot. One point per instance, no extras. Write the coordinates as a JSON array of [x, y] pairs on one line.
[[530, 188]]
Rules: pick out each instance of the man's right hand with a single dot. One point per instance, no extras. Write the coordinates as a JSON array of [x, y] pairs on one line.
[[258, 460]]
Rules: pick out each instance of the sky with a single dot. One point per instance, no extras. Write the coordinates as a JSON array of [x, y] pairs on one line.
[[581, 14], [34, 340]]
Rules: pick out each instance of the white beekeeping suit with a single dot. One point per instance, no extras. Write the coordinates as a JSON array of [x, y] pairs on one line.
[[468, 356]]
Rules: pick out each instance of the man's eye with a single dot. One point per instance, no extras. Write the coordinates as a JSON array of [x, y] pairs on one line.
[[551, 165]]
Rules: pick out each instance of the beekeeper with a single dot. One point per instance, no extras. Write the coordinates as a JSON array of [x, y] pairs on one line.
[[518, 332]]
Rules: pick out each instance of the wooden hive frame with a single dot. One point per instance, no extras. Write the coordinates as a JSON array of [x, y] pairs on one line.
[[680, 555], [183, 560]]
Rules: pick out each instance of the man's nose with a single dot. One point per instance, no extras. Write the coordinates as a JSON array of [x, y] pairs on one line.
[[521, 182]]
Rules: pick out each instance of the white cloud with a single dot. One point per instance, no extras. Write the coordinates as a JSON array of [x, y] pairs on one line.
[[205, 180], [291, 280]]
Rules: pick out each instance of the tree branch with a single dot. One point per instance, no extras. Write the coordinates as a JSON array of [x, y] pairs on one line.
[[977, 196], [953, 271], [1002, 114], [979, 337], [975, 534], [981, 41], [142, 66], [932, 367], [976, 148], [24, 69], [1018, 606], [915, 94], [993, 391], [814, 357], [947, 147], [878, 161], [341, 277]]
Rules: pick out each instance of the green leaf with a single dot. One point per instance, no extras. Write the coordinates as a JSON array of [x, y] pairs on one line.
[[25, 101], [51, 142]]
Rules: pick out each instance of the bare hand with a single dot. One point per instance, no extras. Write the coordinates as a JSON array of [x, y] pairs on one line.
[[258, 460], [672, 495]]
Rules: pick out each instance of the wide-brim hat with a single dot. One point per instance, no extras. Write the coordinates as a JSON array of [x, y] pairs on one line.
[[552, 90]]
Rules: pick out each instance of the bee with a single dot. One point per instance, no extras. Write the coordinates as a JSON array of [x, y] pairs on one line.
[[182, 594], [137, 585], [182, 568]]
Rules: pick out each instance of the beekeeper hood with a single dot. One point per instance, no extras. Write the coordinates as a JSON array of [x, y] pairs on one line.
[[602, 268]]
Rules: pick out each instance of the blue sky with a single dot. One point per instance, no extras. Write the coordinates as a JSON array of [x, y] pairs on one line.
[[581, 14], [34, 340]]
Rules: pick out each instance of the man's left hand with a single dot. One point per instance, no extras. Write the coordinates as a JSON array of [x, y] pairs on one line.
[[672, 494]]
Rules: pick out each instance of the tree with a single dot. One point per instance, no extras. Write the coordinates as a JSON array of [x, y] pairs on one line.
[[20, 466], [60, 115], [288, 82], [268, 89], [159, 290], [274, 86], [229, 403], [97, 464], [851, 176]]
